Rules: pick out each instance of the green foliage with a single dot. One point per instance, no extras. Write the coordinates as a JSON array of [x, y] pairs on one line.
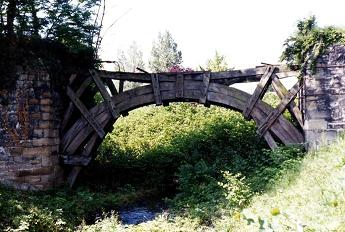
[[59, 210], [164, 53], [211, 157], [68, 22], [309, 42], [217, 63]]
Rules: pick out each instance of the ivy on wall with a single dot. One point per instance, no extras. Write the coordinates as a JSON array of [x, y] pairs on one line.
[[309, 42]]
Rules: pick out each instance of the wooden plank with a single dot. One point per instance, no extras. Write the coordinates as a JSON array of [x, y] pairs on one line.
[[106, 96], [292, 107], [259, 91], [204, 90], [71, 107], [272, 117], [86, 114], [156, 89], [232, 76], [179, 85], [270, 141], [85, 157]]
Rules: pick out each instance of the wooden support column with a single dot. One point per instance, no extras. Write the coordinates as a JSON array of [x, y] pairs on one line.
[[259, 91], [156, 89], [106, 96], [272, 117], [179, 85], [204, 90], [86, 114]]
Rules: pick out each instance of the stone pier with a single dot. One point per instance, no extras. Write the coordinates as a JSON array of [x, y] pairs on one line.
[[324, 99], [29, 133]]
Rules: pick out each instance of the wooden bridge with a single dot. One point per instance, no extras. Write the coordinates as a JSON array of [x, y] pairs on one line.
[[84, 126]]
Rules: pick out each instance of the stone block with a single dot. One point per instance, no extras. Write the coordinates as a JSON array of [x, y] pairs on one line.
[[46, 108], [34, 171], [46, 101], [47, 116], [44, 142], [318, 124]]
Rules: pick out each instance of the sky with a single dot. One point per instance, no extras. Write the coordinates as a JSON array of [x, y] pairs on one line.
[[247, 32]]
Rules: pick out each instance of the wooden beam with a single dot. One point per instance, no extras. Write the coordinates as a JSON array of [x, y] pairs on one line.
[[106, 96], [156, 89], [272, 117], [179, 85], [232, 76], [71, 106], [292, 107], [259, 91], [86, 114], [270, 141], [204, 90]]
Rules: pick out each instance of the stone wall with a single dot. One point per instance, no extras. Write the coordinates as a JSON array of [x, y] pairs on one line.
[[29, 133], [324, 99]]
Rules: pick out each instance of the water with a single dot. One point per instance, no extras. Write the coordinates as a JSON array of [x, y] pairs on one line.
[[141, 212], [136, 215]]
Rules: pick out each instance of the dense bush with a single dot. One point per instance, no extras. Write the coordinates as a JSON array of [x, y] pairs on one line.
[[206, 160]]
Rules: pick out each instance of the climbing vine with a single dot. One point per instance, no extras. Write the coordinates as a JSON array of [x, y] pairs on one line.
[[309, 42]]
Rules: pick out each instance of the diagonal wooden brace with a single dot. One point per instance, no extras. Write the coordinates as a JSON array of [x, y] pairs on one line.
[[86, 114], [71, 107], [259, 91], [106, 96], [273, 116], [292, 107]]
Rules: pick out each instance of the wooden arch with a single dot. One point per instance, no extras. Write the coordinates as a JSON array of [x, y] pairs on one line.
[[83, 135]]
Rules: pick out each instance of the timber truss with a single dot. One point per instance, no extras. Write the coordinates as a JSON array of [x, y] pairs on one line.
[[84, 126]]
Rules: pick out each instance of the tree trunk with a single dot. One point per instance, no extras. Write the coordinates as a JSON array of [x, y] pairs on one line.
[[11, 15]]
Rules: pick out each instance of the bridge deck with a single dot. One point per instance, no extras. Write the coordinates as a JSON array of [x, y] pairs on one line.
[[84, 129]]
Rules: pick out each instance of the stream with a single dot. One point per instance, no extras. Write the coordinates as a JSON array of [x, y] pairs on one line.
[[139, 213]]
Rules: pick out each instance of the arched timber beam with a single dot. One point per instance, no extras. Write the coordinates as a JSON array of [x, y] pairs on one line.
[[218, 94]]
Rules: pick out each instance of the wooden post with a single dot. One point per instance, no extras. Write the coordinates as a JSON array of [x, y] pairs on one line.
[[179, 85], [204, 90], [156, 89]]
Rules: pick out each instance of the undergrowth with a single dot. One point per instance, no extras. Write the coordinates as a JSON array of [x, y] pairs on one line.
[[205, 162]]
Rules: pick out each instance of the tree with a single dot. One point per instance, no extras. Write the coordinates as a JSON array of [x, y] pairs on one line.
[[132, 59], [164, 53], [68, 22], [309, 41], [217, 63], [58, 34]]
